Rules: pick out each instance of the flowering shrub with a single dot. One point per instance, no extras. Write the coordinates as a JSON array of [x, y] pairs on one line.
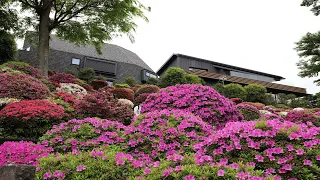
[[97, 84], [236, 100], [259, 106], [284, 148], [317, 114], [140, 99], [22, 153], [107, 163], [68, 98], [87, 87], [125, 102], [159, 134], [147, 89], [60, 77], [249, 112], [29, 118], [270, 116], [185, 168], [23, 67], [102, 104], [202, 101], [123, 93], [73, 89], [83, 135], [21, 86], [303, 116], [268, 108], [5, 101]]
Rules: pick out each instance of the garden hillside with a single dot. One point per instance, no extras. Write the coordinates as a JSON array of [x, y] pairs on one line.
[[78, 127]]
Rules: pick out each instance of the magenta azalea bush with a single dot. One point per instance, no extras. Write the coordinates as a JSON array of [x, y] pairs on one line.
[[303, 116], [202, 101], [285, 149], [165, 133], [270, 116], [22, 153], [249, 112], [83, 135]]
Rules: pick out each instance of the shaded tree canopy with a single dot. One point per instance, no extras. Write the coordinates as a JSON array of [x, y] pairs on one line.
[[314, 4], [78, 21]]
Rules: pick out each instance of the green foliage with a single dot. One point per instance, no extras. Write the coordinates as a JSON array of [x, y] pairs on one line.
[[8, 17], [130, 81], [234, 91], [255, 93], [121, 86], [194, 79], [308, 51], [100, 77], [96, 167], [175, 75], [300, 102], [70, 71], [8, 47], [314, 4], [153, 81], [87, 74], [269, 99], [282, 106], [219, 87]]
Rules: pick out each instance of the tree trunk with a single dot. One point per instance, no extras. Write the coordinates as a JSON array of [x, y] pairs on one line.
[[43, 46]]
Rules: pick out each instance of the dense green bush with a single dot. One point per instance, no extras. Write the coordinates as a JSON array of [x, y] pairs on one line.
[[87, 74], [219, 87], [130, 81], [194, 79], [173, 76], [8, 47], [269, 99], [234, 91], [153, 81], [121, 86], [255, 93]]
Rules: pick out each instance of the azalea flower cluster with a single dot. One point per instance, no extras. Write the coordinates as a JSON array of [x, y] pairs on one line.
[[249, 112], [301, 116], [161, 134], [73, 89], [282, 148], [202, 101], [22, 153], [123, 93], [60, 77], [79, 135]]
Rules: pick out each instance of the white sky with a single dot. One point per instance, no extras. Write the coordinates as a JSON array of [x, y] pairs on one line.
[[254, 34]]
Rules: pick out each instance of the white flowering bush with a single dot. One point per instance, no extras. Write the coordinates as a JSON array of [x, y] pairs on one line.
[[126, 102], [73, 89]]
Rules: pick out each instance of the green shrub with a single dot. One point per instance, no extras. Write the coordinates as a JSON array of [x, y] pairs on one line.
[[194, 79], [121, 86], [98, 164], [130, 81], [173, 76], [282, 106], [234, 91], [153, 81], [8, 47], [269, 99], [87, 74], [249, 112], [219, 87], [100, 77], [147, 89], [255, 93]]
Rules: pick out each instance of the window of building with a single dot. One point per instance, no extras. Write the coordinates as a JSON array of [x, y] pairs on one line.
[[110, 83], [75, 61], [194, 68], [151, 75]]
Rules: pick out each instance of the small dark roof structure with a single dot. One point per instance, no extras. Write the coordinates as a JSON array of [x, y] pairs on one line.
[[217, 64], [271, 87], [109, 52]]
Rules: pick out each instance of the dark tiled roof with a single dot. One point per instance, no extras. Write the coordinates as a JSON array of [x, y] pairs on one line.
[[240, 80], [109, 52]]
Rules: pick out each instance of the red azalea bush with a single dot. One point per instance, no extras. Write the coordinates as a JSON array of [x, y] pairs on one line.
[[23, 67], [66, 97], [202, 101], [123, 93], [83, 135], [147, 89], [22, 152], [165, 133], [285, 149], [249, 112], [303, 116], [87, 87], [29, 118], [60, 77], [22, 86], [97, 84], [140, 99], [236, 100], [102, 104]]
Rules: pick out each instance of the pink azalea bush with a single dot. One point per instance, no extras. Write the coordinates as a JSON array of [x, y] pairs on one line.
[[317, 114], [22, 153], [285, 149], [83, 135], [249, 112], [202, 101], [303, 116], [165, 133], [60, 77]]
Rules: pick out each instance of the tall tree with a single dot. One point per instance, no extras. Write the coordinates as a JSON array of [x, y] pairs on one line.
[[308, 49], [8, 17], [314, 4], [79, 21]]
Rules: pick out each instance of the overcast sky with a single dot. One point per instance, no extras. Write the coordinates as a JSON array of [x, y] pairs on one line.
[[254, 34]]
